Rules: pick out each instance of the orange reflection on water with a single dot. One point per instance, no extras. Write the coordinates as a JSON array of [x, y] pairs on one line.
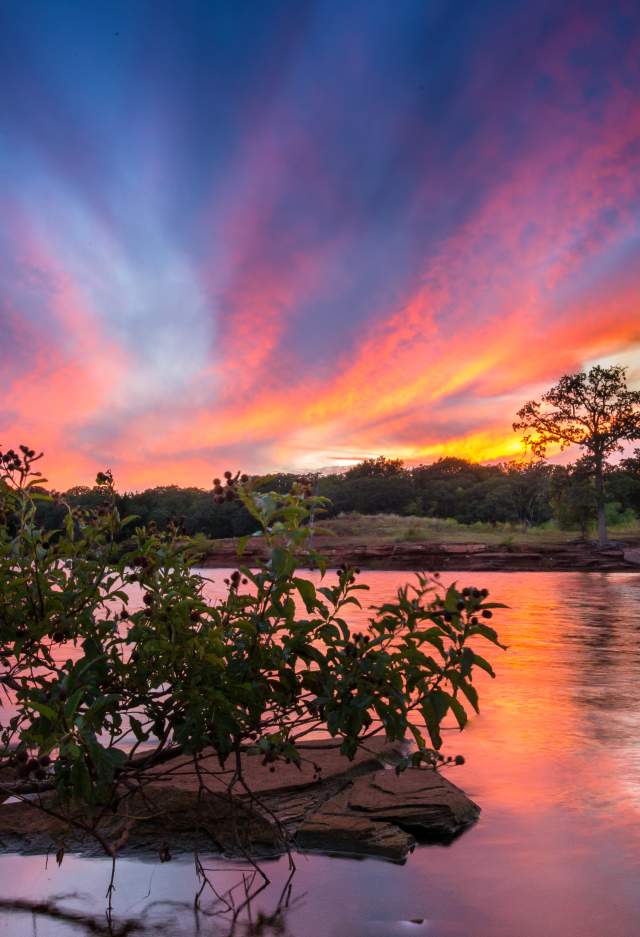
[[552, 759]]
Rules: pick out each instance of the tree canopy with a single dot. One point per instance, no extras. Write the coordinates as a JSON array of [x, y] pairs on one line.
[[593, 410]]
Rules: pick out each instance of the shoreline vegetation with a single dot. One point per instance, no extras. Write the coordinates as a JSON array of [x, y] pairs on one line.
[[388, 541], [183, 721]]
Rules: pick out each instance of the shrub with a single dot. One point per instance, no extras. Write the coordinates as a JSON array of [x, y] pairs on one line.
[[271, 662]]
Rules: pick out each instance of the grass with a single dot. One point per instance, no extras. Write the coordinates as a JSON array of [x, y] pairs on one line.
[[396, 528]]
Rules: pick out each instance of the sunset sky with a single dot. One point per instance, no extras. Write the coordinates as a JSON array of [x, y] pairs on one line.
[[257, 234]]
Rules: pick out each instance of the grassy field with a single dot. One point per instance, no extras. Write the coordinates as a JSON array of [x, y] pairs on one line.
[[395, 528]]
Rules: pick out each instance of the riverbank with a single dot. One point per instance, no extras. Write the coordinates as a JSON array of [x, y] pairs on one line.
[[439, 556]]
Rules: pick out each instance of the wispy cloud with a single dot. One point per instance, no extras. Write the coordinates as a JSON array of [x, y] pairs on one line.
[[278, 241]]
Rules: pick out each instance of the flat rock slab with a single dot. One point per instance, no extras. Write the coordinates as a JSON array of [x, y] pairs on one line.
[[161, 818], [418, 800], [385, 813], [261, 779], [337, 829], [353, 807]]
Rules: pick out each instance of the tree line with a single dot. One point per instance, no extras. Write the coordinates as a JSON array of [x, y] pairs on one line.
[[528, 493], [593, 412]]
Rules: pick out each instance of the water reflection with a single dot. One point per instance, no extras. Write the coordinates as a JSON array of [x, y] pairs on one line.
[[553, 759]]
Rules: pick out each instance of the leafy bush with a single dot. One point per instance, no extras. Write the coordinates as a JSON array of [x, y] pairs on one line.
[[101, 692], [618, 516]]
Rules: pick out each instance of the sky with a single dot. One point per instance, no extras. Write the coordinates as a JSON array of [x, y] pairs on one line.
[[286, 234]]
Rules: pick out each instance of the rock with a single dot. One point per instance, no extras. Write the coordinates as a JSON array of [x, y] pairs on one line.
[[175, 809], [633, 556], [418, 800], [353, 807], [164, 815], [372, 755], [336, 828], [431, 555], [384, 814]]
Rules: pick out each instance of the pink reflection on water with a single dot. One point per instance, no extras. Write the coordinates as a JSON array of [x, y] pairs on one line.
[[553, 759]]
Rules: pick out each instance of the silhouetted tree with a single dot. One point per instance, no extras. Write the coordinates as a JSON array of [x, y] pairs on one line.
[[376, 468], [593, 410]]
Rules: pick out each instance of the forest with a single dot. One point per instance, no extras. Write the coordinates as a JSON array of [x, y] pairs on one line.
[[525, 493]]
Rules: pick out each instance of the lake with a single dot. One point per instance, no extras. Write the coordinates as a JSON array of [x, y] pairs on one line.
[[553, 760]]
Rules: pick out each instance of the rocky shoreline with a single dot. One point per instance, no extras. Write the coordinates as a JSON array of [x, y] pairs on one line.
[[330, 805], [410, 555]]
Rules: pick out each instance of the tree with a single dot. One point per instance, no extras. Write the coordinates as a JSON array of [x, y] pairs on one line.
[[529, 490], [593, 410], [572, 497], [374, 494], [624, 483], [382, 467]]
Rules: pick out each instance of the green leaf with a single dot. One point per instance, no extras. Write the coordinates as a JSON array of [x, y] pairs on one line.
[[486, 632], [43, 709], [307, 592], [459, 712], [282, 562], [81, 782], [466, 661], [71, 705], [483, 664], [470, 692], [432, 722]]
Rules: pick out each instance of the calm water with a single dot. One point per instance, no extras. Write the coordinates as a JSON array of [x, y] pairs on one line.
[[553, 759]]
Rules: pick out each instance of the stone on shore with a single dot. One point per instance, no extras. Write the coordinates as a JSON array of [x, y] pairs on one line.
[[329, 804], [385, 813]]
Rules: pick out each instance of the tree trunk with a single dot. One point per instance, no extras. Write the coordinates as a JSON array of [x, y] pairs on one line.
[[602, 523]]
